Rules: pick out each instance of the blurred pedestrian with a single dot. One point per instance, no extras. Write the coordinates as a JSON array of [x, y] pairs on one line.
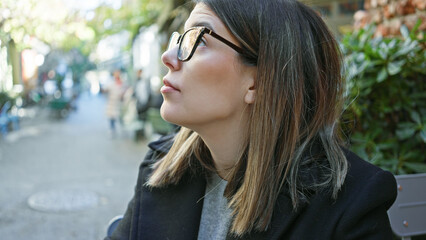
[[256, 87], [143, 97], [142, 92], [115, 92]]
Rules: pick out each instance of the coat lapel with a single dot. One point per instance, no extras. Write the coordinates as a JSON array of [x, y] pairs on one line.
[[172, 212]]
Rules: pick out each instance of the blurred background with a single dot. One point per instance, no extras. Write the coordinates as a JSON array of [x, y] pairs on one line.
[[66, 169]]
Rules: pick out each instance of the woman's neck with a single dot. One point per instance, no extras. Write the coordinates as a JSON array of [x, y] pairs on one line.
[[225, 142]]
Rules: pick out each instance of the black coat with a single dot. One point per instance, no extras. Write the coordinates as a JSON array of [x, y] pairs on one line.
[[360, 211]]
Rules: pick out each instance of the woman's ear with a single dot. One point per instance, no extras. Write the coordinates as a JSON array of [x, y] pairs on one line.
[[250, 95], [251, 90]]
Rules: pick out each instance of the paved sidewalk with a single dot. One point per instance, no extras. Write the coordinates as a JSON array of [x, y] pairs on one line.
[[72, 173]]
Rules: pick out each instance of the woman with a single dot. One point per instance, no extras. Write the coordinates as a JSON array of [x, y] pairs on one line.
[[257, 88]]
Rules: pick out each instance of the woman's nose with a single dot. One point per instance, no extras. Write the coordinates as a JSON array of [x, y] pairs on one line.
[[170, 59]]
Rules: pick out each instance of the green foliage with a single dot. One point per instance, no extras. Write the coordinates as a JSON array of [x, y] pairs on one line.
[[5, 97], [60, 27], [130, 17], [386, 112], [79, 64], [47, 20]]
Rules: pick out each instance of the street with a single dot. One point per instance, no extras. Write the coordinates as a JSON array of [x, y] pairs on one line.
[[66, 178]]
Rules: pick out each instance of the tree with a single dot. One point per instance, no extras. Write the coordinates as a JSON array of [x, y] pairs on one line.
[[63, 28], [130, 17], [46, 20]]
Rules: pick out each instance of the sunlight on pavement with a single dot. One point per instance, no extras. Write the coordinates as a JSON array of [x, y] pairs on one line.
[[22, 133]]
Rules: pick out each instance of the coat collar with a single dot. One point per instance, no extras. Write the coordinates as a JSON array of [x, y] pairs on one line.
[[172, 212], [163, 144]]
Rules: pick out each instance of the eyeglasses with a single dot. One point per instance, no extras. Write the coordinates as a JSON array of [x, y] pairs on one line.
[[190, 39]]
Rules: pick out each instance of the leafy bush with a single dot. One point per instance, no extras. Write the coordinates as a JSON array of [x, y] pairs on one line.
[[386, 112], [4, 97]]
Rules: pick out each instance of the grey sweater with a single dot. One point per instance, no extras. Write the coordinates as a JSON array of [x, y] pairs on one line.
[[215, 216]]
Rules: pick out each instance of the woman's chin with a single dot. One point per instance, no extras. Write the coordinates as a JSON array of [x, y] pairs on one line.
[[169, 114]]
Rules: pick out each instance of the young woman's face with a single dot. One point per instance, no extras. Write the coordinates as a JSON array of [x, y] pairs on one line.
[[212, 86]]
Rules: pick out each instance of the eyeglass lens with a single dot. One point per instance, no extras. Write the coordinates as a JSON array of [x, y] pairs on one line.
[[187, 43], [173, 40], [189, 39]]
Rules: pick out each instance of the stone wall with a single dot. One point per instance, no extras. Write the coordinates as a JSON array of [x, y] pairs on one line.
[[389, 15]]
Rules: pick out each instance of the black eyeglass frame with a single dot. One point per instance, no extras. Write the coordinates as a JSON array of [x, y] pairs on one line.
[[204, 30]]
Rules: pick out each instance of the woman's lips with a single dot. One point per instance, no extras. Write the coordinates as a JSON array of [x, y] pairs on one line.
[[168, 87]]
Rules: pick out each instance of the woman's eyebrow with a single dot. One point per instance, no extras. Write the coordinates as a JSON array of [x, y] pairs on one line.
[[202, 24]]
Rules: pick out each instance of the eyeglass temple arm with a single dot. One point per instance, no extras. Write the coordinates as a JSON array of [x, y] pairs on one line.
[[230, 44]]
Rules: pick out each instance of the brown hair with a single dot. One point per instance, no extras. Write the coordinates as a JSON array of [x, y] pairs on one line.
[[293, 121]]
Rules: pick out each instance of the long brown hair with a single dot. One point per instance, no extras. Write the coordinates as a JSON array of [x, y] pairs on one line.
[[293, 122]]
